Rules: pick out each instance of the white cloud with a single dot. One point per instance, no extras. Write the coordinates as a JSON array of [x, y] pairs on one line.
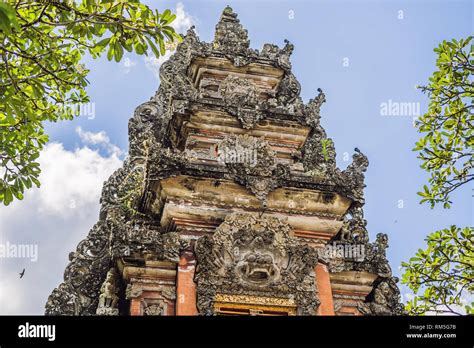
[[181, 24], [128, 64], [153, 64], [183, 19], [99, 138], [55, 217]]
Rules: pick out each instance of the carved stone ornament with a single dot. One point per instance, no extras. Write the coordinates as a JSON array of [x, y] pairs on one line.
[[126, 228], [231, 37], [154, 307], [251, 162], [108, 298], [254, 255], [240, 96]]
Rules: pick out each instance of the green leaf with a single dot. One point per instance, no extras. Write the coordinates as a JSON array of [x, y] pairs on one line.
[[104, 42], [153, 47], [48, 45], [118, 51]]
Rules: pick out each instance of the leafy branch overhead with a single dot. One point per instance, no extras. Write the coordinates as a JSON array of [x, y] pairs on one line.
[[447, 148], [41, 75], [444, 271], [441, 276]]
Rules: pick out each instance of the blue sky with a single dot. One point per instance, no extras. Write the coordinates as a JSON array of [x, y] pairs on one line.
[[361, 53]]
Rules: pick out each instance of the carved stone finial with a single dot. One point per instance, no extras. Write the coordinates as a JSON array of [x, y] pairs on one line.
[[230, 36], [313, 109], [354, 175]]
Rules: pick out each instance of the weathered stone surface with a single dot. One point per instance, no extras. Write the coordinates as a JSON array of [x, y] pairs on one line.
[[173, 195], [254, 255]]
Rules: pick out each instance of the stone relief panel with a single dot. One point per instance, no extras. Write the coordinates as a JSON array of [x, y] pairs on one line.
[[251, 162], [254, 255]]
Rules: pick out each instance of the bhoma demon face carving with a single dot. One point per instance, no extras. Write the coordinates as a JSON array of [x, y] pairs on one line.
[[255, 255], [255, 259]]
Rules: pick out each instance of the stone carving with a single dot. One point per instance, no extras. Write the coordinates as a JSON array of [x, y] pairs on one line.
[[385, 299], [288, 90], [254, 255], [231, 37], [133, 292], [209, 88], [313, 109], [154, 308], [108, 298], [90, 263], [260, 173], [124, 227], [172, 246], [142, 124], [354, 228], [338, 304], [247, 154], [319, 154], [354, 174], [83, 276], [240, 96], [282, 56]]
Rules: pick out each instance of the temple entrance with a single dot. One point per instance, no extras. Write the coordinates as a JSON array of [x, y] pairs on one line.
[[253, 305]]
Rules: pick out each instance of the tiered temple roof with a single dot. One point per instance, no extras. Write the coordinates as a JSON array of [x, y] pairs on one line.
[[249, 231]]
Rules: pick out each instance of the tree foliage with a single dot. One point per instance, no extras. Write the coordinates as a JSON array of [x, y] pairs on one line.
[[447, 148], [41, 75], [443, 273]]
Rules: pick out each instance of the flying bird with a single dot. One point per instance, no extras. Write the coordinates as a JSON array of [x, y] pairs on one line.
[[22, 273]]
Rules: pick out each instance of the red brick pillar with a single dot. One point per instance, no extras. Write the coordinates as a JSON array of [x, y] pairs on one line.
[[185, 286], [325, 293], [135, 307]]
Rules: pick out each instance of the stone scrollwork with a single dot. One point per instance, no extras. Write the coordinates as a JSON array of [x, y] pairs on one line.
[[255, 255], [83, 276]]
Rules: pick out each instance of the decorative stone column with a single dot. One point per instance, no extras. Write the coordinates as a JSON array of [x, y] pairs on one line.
[[350, 289], [325, 292], [150, 287], [185, 286]]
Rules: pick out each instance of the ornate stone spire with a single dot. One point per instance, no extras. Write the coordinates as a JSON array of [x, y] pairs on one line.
[[227, 131], [230, 36]]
